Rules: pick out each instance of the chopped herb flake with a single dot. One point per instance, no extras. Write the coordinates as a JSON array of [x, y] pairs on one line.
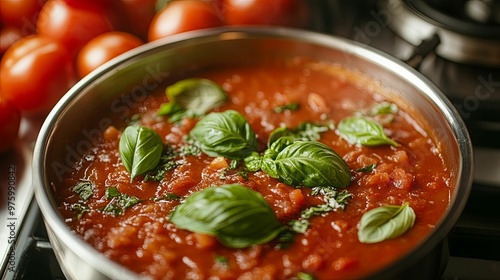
[[334, 200], [305, 276], [368, 168], [167, 197], [84, 189], [285, 239], [79, 209], [221, 260], [167, 163], [119, 201], [293, 106]]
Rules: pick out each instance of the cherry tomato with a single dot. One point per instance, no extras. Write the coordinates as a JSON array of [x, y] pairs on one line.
[[35, 72], [103, 48], [21, 14], [264, 12], [137, 15], [181, 16], [72, 26], [8, 36], [105, 7], [89, 4], [10, 120]]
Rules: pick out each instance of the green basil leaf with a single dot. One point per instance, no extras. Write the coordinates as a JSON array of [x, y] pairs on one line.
[[278, 133], [170, 109], [385, 222], [268, 165], [194, 96], [278, 145], [361, 131], [237, 216], [311, 164], [140, 149], [225, 134], [253, 162]]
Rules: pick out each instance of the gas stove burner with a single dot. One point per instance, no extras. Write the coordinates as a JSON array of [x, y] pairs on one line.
[[469, 31]]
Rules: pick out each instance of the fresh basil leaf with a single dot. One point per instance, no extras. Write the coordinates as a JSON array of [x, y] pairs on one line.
[[192, 97], [225, 134], [236, 215], [361, 131], [269, 166], [385, 222], [170, 109], [278, 133], [140, 149], [311, 164], [84, 189], [253, 162], [278, 145]]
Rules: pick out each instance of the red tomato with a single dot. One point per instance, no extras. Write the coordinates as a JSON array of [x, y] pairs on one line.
[[21, 14], [10, 120], [137, 15], [105, 7], [35, 72], [72, 26], [8, 36], [103, 48], [89, 4], [181, 16], [265, 12]]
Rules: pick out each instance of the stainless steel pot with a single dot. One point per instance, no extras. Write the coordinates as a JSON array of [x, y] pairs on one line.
[[77, 120]]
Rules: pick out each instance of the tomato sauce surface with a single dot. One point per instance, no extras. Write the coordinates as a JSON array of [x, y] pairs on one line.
[[143, 240]]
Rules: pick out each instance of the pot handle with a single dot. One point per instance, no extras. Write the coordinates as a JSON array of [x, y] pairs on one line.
[[421, 51]]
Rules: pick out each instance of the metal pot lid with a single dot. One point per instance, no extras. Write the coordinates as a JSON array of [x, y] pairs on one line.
[[463, 38]]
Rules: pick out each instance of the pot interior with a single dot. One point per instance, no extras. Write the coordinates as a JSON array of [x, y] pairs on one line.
[[83, 114]]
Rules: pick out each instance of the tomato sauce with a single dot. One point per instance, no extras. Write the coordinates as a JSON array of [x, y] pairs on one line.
[[143, 240]]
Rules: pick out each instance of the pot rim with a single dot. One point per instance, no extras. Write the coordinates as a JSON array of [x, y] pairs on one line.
[[112, 269]]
